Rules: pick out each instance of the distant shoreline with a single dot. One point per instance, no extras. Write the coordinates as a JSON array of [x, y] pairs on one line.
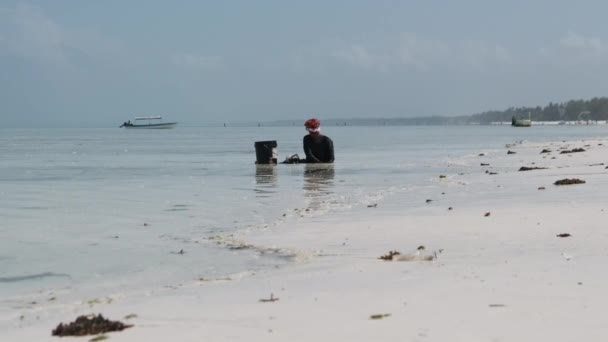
[[405, 122]]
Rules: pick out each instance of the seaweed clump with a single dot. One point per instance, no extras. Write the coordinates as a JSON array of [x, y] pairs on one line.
[[379, 316], [89, 325], [569, 181], [389, 256], [526, 168], [575, 150]]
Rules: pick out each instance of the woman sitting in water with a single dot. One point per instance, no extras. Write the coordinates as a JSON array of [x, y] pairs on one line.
[[317, 147]]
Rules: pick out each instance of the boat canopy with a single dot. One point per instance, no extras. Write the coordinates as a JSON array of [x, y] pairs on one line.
[[149, 118]]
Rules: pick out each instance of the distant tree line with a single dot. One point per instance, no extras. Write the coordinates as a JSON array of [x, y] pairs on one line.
[[573, 110]]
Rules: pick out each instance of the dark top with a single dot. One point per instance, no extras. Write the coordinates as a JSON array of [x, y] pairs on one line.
[[320, 150]]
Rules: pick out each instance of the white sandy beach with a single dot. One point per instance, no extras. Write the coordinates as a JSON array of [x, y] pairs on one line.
[[502, 277]]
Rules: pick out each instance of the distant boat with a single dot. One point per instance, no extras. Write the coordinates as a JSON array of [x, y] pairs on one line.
[[149, 122], [521, 122]]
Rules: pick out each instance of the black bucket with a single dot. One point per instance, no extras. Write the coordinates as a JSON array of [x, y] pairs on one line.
[[266, 152]]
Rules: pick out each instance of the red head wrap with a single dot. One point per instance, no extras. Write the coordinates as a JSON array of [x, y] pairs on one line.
[[313, 125]]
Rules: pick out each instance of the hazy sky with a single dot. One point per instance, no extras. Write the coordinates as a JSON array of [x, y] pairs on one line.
[[88, 63]]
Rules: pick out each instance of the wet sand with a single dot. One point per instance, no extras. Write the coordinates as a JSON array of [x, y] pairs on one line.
[[516, 258]]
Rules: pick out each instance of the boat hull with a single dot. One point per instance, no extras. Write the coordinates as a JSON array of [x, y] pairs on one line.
[[522, 123], [167, 125]]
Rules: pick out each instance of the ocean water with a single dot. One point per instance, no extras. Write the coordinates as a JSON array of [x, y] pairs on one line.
[[106, 210]]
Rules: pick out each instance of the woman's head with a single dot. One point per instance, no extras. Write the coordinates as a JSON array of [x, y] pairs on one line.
[[313, 125]]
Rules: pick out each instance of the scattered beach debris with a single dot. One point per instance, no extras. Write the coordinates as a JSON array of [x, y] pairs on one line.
[[598, 164], [541, 188], [518, 142], [379, 316], [98, 338], [568, 257], [574, 150], [130, 316], [450, 208], [484, 164], [511, 152], [372, 205], [389, 256], [482, 154], [563, 235], [214, 279], [429, 200], [492, 173], [89, 325], [417, 255], [527, 168], [181, 252], [486, 214], [269, 300], [239, 246], [569, 181], [145, 224], [442, 176], [545, 151], [496, 305], [94, 301]]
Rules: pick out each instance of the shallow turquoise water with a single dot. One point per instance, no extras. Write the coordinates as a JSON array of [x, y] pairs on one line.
[[108, 208]]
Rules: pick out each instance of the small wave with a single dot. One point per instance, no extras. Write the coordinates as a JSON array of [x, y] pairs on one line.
[[282, 253], [33, 276]]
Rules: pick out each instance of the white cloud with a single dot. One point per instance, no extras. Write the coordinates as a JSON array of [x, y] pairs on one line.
[[412, 51], [360, 56], [198, 62], [574, 49], [30, 34], [480, 55], [421, 53], [587, 46]]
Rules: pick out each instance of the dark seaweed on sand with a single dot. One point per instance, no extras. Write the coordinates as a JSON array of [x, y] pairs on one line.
[[526, 168], [389, 256], [89, 325], [569, 181], [573, 151]]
